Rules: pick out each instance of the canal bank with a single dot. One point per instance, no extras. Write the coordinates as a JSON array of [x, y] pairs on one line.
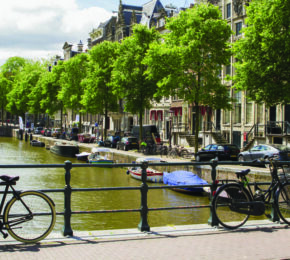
[[257, 174]]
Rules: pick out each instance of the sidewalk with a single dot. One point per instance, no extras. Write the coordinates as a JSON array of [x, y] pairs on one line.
[[256, 240]]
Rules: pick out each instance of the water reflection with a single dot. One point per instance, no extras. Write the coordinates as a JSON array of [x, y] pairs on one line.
[[14, 151]]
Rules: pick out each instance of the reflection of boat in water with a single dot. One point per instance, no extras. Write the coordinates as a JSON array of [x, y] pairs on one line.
[[100, 155], [37, 143], [83, 156], [184, 178], [152, 174], [65, 149]]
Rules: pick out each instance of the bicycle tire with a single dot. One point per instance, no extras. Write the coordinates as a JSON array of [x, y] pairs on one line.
[[223, 205], [172, 154], [184, 154], [39, 226], [283, 203]]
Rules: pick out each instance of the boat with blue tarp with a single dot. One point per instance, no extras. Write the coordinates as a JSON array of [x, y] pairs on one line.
[[181, 177]]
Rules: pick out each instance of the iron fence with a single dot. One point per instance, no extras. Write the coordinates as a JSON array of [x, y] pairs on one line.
[[144, 188]]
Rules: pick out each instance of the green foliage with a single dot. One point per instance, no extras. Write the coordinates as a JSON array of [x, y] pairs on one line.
[[12, 67], [23, 84], [98, 95], [74, 72], [189, 60], [263, 54], [129, 80], [50, 87]]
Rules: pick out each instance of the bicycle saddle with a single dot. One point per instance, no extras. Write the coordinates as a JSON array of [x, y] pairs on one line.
[[242, 173], [7, 178]]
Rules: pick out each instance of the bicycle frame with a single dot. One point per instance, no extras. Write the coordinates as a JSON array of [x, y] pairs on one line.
[[20, 218]]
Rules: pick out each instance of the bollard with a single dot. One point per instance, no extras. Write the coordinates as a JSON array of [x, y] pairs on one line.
[[213, 221], [26, 137], [143, 225], [31, 137], [67, 230]]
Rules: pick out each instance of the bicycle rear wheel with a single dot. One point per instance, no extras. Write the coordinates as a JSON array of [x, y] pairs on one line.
[[31, 218], [224, 205], [283, 203]]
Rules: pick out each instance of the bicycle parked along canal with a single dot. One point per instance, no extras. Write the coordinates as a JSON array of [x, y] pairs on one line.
[[234, 202], [29, 216]]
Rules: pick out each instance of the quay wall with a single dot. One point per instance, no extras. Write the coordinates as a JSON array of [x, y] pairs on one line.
[[258, 174]]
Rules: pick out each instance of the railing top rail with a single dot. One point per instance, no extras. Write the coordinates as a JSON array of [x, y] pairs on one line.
[[117, 165]]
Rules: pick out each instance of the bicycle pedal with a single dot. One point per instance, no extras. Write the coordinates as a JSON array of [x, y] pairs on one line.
[[5, 235]]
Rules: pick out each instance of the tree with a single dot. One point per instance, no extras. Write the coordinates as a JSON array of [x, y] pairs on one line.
[[98, 93], [75, 70], [5, 86], [23, 84], [51, 86], [188, 62], [129, 80], [263, 53], [12, 67]]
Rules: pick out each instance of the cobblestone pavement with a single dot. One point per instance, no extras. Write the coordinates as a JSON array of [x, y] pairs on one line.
[[253, 241]]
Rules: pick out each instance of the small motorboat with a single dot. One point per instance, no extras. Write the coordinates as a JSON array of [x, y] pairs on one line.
[[100, 155], [184, 178], [153, 175], [65, 149], [37, 143], [83, 156]]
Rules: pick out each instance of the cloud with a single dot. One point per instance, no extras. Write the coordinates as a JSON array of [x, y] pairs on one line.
[[40, 27]]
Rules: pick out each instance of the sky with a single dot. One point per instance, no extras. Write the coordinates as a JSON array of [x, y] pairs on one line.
[[39, 28]]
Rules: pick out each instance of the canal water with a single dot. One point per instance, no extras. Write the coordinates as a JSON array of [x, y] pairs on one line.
[[14, 151]]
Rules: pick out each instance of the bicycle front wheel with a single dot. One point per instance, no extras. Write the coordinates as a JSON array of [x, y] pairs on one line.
[[283, 203], [225, 205], [30, 218]]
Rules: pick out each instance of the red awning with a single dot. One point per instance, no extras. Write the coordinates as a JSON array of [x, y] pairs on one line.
[[177, 110]]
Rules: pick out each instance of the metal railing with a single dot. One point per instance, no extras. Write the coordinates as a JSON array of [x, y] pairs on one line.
[[143, 225]]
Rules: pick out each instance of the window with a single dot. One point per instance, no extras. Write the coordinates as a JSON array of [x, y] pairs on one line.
[[237, 107], [228, 68], [249, 112], [229, 7], [260, 113], [239, 28]]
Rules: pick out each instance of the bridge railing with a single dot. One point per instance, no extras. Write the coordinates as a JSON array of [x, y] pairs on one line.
[[144, 210]]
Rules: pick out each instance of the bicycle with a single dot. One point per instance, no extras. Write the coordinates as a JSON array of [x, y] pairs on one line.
[[21, 216], [180, 151], [234, 202]]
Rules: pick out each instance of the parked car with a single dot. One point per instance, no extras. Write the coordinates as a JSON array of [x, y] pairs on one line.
[[37, 130], [72, 134], [56, 132], [219, 152], [266, 152], [47, 132], [111, 141], [128, 143]]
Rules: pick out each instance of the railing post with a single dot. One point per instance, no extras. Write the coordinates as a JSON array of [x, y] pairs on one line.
[[274, 214], [213, 221], [67, 230], [143, 225]]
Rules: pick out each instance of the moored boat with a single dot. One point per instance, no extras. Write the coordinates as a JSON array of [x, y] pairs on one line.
[[100, 155], [83, 156], [184, 178], [153, 175], [37, 143], [65, 149]]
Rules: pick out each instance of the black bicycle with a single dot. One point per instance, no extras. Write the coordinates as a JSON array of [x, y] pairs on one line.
[[234, 202], [29, 216]]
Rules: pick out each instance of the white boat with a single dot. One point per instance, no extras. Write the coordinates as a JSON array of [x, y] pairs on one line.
[[83, 156], [100, 155], [152, 174]]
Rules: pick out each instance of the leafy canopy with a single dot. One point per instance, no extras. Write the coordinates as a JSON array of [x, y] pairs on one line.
[[263, 54]]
